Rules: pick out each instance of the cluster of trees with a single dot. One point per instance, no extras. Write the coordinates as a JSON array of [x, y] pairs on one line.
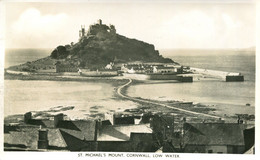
[[60, 52]]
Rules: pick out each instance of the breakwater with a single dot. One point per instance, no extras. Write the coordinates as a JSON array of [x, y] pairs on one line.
[[214, 73]]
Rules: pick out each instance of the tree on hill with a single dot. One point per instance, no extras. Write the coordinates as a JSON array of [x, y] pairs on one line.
[[59, 52]]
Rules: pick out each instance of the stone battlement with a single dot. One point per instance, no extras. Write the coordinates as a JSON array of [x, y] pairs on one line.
[[96, 28]]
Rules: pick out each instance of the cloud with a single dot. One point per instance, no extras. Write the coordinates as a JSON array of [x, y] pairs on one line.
[[171, 26], [189, 29], [34, 29], [205, 29]]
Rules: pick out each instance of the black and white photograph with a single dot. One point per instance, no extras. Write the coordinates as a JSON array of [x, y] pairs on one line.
[[166, 77]]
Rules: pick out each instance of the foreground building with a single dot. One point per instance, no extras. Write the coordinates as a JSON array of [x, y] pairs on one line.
[[136, 133], [212, 138], [77, 135]]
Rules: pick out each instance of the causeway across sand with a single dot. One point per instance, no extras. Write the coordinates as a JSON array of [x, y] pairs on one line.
[[119, 89]]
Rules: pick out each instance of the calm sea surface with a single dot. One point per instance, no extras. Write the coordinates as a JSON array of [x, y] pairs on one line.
[[23, 96], [208, 92], [87, 97], [20, 56]]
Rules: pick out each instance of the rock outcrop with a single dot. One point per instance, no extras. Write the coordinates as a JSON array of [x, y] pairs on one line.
[[101, 45]]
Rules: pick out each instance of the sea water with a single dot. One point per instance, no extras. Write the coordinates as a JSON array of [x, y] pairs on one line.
[[22, 96], [87, 97], [231, 96], [20, 56]]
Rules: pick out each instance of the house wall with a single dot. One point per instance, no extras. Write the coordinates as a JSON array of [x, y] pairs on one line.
[[249, 137], [115, 146], [46, 71], [8, 128], [62, 68], [140, 71], [125, 146], [195, 149], [124, 120], [163, 77], [142, 142], [217, 148], [214, 148], [167, 70], [135, 145], [240, 149], [90, 146], [70, 73], [236, 149]]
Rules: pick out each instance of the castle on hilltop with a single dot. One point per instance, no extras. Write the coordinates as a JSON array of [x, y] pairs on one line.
[[95, 28]]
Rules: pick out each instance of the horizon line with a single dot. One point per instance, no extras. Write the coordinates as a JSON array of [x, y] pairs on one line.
[[244, 48]]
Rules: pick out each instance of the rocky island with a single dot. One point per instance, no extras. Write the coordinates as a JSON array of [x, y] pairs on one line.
[[108, 64], [98, 46]]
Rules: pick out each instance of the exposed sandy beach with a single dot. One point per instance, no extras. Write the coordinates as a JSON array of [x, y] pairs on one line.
[[197, 112]]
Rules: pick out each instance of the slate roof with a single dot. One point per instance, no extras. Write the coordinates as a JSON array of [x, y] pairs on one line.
[[27, 139], [121, 132], [80, 129], [71, 135], [106, 122], [141, 136], [214, 134], [72, 142]]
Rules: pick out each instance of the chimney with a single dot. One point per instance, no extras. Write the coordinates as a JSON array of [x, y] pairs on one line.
[[184, 119], [151, 122], [156, 123], [172, 126], [110, 117], [57, 118], [182, 125], [43, 141], [98, 125], [27, 117], [220, 120], [239, 120], [168, 123]]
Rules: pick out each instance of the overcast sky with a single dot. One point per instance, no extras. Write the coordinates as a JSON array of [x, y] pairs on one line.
[[164, 24]]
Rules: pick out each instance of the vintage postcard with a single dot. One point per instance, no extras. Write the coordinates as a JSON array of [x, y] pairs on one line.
[[129, 79]]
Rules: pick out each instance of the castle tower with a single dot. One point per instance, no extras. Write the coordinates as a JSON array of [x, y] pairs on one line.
[[99, 22], [82, 31], [43, 141], [112, 28]]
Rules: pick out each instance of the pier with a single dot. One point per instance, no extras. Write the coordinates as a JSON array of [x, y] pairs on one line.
[[225, 76]]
